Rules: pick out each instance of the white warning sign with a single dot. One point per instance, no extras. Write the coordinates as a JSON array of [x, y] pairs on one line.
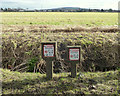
[[74, 54], [48, 50]]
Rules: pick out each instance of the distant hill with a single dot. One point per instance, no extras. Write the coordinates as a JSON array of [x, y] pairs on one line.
[[67, 9], [70, 8]]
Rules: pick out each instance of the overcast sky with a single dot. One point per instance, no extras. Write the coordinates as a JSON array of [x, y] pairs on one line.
[[47, 4]]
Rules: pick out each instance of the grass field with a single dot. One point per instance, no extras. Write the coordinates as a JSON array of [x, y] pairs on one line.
[[56, 18], [35, 83], [96, 33]]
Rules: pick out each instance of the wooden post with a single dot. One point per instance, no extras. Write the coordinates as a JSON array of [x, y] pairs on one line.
[[49, 69], [73, 70]]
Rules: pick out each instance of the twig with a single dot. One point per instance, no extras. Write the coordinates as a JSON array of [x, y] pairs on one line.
[[13, 52], [19, 66], [13, 64], [22, 69]]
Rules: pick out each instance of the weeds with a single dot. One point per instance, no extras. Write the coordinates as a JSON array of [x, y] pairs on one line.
[[91, 82], [32, 63], [99, 49]]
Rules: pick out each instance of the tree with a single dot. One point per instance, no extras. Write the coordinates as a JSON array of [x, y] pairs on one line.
[[110, 10], [9, 9], [2, 9], [5, 10], [102, 10], [90, 10]]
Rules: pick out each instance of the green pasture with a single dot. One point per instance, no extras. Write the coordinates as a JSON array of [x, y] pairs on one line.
[[59, 18]]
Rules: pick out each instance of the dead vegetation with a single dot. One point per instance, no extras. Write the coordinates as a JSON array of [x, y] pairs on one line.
[[21, 47], [45, 28]]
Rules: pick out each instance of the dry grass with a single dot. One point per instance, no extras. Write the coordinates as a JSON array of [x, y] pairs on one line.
[[46, 28], [21, 44]]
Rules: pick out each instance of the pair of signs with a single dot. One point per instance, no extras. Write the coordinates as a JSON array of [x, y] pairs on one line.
[[49, 51]]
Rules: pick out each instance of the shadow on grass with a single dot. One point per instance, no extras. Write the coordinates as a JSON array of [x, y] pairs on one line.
[[19, 84], [57, 84]]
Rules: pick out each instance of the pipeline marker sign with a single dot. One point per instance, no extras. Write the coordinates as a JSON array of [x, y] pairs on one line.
[[48, 50], [74, 54]]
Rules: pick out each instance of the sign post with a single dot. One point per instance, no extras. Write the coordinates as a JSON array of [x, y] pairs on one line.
[[49, 54], [73, 58]]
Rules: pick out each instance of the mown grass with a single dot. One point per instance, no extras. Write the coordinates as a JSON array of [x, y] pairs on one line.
[[62, 83], [57, 18]]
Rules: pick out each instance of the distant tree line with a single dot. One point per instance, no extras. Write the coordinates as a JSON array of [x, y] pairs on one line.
[[57, 10]]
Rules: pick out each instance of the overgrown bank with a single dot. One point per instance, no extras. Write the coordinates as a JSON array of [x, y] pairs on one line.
[[21, 49]]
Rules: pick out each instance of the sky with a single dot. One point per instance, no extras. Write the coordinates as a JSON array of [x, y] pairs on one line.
[[48, 4]]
